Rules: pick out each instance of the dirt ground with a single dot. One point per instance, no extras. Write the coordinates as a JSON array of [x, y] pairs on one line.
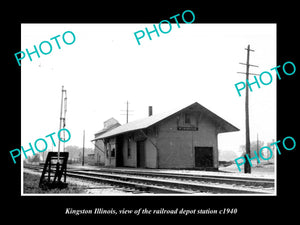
[[262, 170], [75, 186]]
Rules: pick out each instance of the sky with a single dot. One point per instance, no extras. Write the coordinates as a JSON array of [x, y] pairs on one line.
[[105, 67]]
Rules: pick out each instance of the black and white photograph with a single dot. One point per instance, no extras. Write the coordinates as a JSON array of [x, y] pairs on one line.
[[148, 118], [122, 118]]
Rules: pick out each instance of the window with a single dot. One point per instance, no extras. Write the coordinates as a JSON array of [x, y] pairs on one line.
[[107, 150], [113, 152], [128, 148], [187, 118]]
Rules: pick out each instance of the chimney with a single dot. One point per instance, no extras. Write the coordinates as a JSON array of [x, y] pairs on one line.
[[150, 111]]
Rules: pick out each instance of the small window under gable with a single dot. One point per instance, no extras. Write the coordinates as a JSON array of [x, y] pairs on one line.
[[187, 118]]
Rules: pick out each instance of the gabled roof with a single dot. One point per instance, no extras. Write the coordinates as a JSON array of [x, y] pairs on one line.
[[107, 129], [109, 124], [151, 120]]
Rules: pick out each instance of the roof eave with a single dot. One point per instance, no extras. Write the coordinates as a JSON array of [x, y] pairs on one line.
[[228, 128]]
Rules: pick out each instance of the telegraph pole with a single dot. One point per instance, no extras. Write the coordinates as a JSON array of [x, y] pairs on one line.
[[247, 167], [257, 146], [127, 111]]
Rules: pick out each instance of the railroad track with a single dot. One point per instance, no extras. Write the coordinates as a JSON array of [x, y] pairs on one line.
[[158, 182], [248, 181], [176, 183]]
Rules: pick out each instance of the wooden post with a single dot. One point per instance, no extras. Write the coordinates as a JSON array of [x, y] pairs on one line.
[[257, 146], [247, 167], [127, 111]]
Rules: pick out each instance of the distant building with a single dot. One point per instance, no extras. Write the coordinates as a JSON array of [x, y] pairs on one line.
[[182, 138], [99, 153]]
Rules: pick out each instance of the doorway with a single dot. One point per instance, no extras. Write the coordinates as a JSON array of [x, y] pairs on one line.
[[119, 151], [140, 151], [204, 157]]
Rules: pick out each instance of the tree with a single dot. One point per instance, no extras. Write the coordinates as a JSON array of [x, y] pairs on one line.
[[75, 152], [35, 158], [253, 148]]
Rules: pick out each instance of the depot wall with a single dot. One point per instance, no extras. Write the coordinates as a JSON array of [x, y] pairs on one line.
[[187, 139], [177, 148], [130, 160]]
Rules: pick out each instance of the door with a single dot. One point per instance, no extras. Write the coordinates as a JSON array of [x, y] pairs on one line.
[[119, 151], [203, 157], [140, 150]]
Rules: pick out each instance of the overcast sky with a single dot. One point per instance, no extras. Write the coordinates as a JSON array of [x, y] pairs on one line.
[[105, 67]]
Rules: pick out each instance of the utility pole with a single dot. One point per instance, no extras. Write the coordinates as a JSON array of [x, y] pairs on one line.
[[83, 148], [127, 111], [257, 147], [273, 148], [247, 167]]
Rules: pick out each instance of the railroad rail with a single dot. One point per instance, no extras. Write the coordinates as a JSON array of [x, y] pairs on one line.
[[161, 182], [248, 181]]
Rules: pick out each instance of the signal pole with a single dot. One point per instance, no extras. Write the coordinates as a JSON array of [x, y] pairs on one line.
[[62, 119], [247, 167]]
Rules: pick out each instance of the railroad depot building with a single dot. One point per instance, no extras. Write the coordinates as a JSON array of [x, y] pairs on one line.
[[182, 138], [99, 153]]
